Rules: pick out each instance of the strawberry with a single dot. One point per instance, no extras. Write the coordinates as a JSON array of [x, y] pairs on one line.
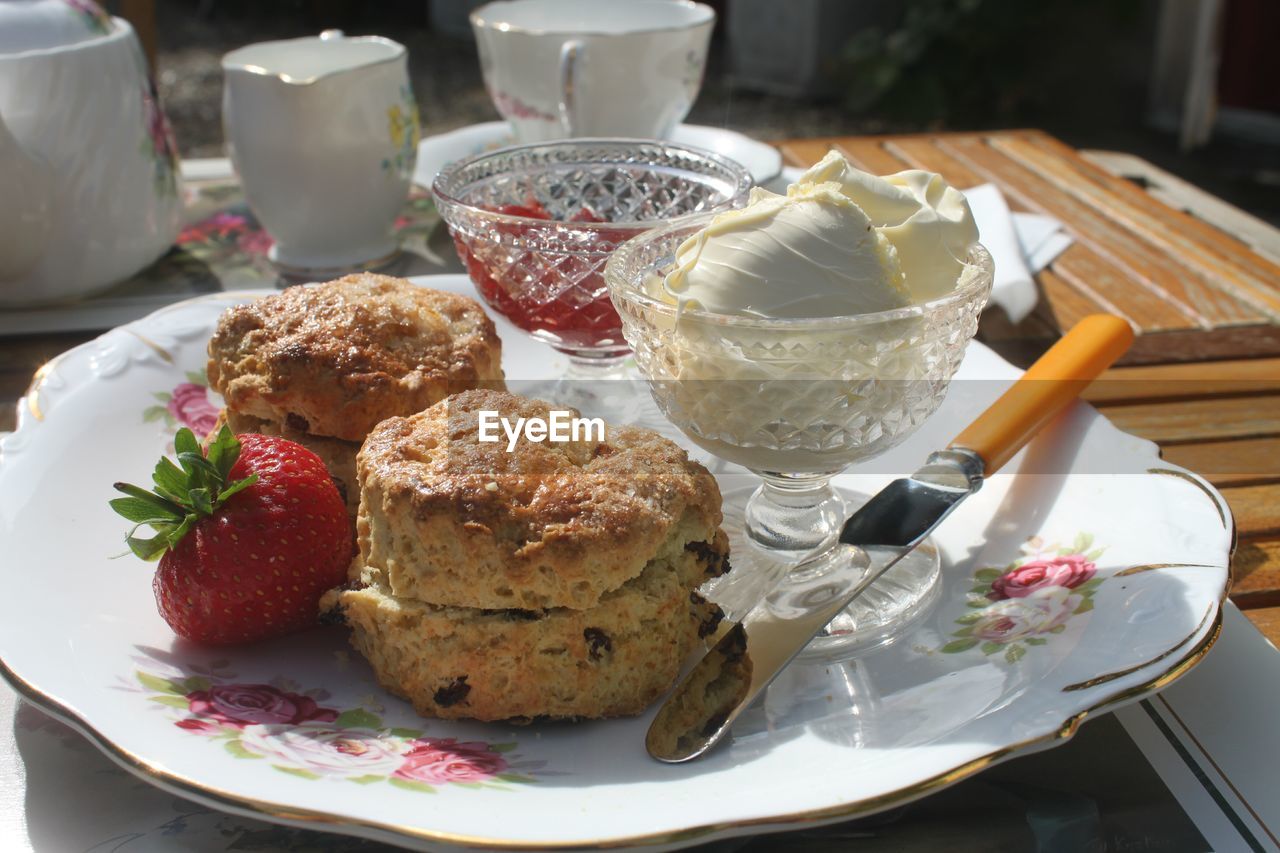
[[249, 535]]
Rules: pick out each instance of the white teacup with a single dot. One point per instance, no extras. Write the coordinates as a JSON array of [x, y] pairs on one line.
[[324, 134], [561, 68]]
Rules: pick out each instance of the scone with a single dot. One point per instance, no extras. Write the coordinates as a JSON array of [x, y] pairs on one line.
[[453, 520], [322, 364], [557, 580]]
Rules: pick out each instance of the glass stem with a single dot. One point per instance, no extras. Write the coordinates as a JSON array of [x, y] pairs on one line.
[[590, 369], [793, 515]]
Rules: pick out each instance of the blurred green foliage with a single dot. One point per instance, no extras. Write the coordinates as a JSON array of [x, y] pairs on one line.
[[977, 61]]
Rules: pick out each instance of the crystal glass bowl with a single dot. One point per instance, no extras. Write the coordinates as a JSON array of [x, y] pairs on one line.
[[796, 401], [804, 396], [535, 224]]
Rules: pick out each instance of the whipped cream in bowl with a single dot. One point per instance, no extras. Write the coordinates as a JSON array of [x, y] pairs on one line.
[[798, 333], [805, 332]]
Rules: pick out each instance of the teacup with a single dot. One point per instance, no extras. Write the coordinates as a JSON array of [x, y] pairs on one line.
[[324, 134], [563, 68]]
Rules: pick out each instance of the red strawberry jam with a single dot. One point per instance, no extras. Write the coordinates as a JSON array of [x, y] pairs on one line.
[[561, 297]]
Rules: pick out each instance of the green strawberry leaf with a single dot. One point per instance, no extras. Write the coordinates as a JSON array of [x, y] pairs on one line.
[[238, 486], [224, 450], [201, 501], [167, 506], [184, 493], [141, 511], [150, 549], [170, 480], [198, 468], [185, 442]]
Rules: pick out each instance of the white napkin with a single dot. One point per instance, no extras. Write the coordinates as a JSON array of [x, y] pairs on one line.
[[1021, 244]]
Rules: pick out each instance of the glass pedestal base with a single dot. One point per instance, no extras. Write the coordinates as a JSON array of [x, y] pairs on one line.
[[877, 616]]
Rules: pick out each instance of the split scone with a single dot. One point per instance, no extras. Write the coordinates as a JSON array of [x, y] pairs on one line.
[[322, 364], [557, 580]]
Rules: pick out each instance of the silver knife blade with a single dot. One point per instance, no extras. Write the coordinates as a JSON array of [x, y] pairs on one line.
[[703, 706]]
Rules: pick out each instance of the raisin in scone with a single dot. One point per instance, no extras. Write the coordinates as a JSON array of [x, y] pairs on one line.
[[557, 580], [321, 364]]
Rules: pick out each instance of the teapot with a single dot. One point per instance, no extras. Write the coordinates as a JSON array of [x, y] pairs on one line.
[[88, 166]]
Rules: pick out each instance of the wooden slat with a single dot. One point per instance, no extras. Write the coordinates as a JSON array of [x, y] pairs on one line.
[[870, 155], [1235, 377], [1082, 282], [1126, 277], [1169, 286], [1230, 254], [1255, 570], [1255, 510], [1065, 304], [1199, 420], [1247, 462], [1217, 290], [923, 153], [1257, 234], [805, 152]]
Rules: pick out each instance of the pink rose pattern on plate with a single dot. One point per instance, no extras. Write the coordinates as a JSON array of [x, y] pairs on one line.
[[1029, 600], [296, 733], [187, 405]]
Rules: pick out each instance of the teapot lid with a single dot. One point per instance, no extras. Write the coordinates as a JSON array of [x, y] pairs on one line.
[[44, 24]]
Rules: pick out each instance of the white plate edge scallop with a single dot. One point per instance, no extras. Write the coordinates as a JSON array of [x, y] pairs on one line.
[[115, 351]]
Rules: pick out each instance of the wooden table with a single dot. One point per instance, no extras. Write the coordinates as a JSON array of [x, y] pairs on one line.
[[1203, 378]]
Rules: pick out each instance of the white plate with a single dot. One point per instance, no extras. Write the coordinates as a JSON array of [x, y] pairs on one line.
[[763, 161], [305, 737]]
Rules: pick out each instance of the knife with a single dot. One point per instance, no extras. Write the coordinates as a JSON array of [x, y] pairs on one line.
[[703, 706]]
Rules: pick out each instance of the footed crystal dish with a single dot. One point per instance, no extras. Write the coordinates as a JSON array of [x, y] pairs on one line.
[[535, 224], [797, 401]]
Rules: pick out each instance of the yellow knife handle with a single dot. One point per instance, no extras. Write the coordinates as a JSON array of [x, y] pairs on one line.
[[1051, 384]]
